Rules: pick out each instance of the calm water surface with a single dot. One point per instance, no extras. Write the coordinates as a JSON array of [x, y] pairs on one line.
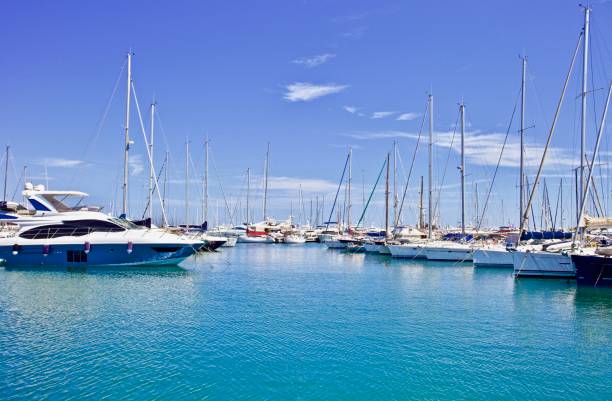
[[284, 322]]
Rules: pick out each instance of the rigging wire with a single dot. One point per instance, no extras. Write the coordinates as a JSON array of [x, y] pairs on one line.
[[372, 193], [416, 148], [501, 153], [450, 149]]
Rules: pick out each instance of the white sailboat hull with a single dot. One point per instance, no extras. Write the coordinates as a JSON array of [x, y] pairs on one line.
[[542, 264], [449, 253], [411, 251], [493, 257]]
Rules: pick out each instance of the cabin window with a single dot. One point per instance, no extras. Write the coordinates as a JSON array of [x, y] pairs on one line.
[[76, 256], [72, 228]]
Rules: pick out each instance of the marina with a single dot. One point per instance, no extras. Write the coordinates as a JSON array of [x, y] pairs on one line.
[[221, 235], [287, 322]]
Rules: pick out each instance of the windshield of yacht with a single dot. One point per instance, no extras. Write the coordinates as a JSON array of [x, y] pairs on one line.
[[128, 225], [65, 203]]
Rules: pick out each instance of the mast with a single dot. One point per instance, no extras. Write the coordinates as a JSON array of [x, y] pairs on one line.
[[350, 179], [421, 217], [151, 168], [524, 218], [395, 199], [265, 197], [248, 194], [462, 168], [187, 184], [126, 150], [205, 203], [430, 184], [166, 163], [387, 199], [592, 165], [522, 150], [477, 206], [6, 171], [583, 116]]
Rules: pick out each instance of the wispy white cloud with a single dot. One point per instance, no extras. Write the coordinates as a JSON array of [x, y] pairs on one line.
[[295, 183], [314, 61], [58, 162], [304, 91], [351, 17], [382, 114], [483, 148], [408, 116], [355, 33], [136, 164], [350, 109]]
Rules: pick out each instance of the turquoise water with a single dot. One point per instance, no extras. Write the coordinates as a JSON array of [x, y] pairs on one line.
[[282, 322]]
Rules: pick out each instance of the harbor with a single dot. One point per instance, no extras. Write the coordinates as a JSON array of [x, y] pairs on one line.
[[197, 227]]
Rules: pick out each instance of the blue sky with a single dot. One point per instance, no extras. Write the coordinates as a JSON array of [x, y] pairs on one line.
[[310, 77]]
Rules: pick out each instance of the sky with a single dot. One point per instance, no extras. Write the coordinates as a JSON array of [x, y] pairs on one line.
[[312, 78]]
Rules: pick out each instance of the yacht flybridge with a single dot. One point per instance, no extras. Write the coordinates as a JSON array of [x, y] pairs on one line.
[[61, 231]]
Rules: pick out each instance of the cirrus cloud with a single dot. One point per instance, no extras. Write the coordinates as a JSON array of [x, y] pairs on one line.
[[305, 92], [314, 61]]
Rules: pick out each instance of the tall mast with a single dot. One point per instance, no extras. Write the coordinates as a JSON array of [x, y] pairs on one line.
[[248, 194], [387, 199], [350, 179], [395, 199], [166, 165], [522, 150], [126, 150], [6, 157], [430, 185], [265, 197], [151, 168], [187, 184], [421, 218], [205, 205], [583, 116], [462, 168]]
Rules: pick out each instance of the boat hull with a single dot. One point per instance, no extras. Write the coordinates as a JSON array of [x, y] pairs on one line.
[[496, 258], [244, 239], [593, 271], [542, 264], [449, 254], [409, 251], [335, 244], [372, 248], [230, 243], [116, 254]]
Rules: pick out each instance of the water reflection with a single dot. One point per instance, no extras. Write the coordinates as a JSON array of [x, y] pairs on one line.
[[127, 271]]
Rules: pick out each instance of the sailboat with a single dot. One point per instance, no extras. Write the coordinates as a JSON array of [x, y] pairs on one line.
[[498, 255], [451, 250], [555, 260]]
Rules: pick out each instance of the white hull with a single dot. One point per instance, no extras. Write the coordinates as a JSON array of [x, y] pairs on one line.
[[410, 251], [243, 239], [449, 253], [542, 264], [384, 250], [294, 240], [493, 257], [230, 243]]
